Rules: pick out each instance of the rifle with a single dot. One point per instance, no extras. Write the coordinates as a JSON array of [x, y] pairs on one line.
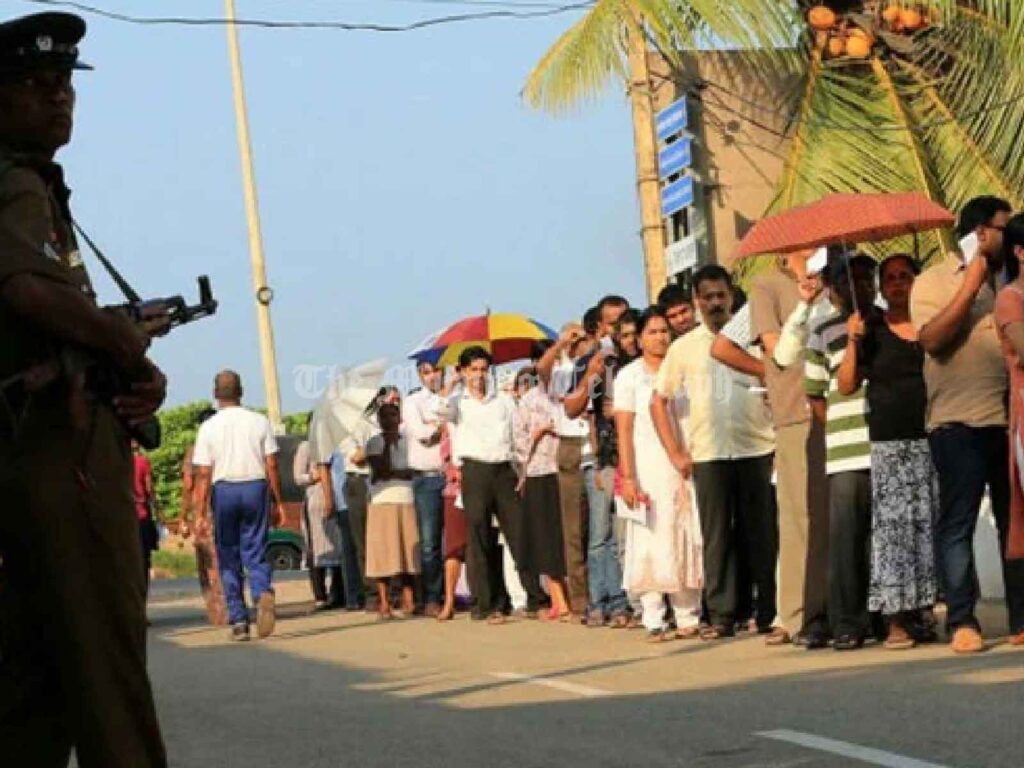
[[164, 315], [98, 376]]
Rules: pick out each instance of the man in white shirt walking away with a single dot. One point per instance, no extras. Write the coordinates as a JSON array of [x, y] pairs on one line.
[[236, 458], [423, 416]]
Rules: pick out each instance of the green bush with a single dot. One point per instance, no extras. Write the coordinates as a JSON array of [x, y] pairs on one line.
[[179, 429], [177, 564]]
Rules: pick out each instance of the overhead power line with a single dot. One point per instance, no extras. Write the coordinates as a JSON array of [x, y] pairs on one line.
[[293, 24], [485, 3]]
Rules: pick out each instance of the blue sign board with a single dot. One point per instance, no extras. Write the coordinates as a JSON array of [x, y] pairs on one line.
[[672, 120], [676, 157], [676, 196]]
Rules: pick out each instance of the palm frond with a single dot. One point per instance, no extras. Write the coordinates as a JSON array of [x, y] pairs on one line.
[[962, 169], [975, 64], [768, 31], [582, 63], [918, 155]]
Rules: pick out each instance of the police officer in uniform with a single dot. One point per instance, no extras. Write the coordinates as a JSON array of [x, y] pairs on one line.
[[72, 607]]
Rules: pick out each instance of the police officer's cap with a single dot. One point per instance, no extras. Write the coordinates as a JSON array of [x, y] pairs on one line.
[[41, 41]]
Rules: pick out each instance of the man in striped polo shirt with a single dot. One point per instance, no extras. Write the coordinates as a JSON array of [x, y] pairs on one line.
[[851, 280]]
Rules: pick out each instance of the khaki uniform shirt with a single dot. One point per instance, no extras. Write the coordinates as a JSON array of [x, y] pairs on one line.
[[967, 382], [726, 420], [35, 238]]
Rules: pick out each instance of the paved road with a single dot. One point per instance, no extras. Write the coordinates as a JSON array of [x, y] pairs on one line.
[[344, 690]]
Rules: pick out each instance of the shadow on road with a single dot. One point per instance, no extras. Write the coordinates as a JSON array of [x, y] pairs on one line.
[[273, 704]]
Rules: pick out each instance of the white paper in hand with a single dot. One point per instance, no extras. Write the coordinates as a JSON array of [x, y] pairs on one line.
[[969, 246], [637, 514]]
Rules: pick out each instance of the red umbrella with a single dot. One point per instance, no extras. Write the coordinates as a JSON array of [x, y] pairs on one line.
[[845, 218]]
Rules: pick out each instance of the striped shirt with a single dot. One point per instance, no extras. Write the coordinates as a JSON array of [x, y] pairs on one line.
[[846, 426]]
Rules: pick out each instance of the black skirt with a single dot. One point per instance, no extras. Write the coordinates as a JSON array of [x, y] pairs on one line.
[[542, 543]]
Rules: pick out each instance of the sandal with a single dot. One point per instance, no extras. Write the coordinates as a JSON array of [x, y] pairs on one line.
[[778, 637], [688, 633], [655, 636], [619, 622], [496, 619], [711, 633], [899, 639]]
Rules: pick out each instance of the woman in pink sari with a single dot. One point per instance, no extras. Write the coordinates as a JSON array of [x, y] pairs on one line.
[[1009, 317]]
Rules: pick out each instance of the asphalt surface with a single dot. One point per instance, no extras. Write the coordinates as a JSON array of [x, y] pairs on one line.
[[342, 689]]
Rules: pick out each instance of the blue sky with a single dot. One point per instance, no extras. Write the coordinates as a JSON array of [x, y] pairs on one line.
[[403, 183]]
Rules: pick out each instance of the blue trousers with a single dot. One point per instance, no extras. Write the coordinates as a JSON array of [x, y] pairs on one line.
[[241, 520], [967, 460], [604, 569], [427, 493]]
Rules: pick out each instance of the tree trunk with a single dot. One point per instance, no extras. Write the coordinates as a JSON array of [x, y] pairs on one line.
[[646, 146]]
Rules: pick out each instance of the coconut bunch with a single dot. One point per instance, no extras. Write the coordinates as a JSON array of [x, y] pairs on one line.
[[903, 18], [854, 35]]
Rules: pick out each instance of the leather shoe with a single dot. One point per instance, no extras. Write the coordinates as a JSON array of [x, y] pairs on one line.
[[848, 642], [813, 641]]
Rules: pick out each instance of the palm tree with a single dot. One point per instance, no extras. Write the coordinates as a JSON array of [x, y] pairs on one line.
[[936, 108], [611, 43]]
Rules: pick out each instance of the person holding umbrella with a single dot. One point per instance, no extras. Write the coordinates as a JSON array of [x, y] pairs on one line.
[[883, 351], [794, 234]]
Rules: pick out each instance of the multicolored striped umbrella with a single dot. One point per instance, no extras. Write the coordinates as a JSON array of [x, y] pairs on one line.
[[507, 337]]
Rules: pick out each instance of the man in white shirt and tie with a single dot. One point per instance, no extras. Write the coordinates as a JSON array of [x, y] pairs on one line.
[[423, 414], [236, 458]]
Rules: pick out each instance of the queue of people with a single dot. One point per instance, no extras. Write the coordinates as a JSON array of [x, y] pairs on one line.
[[808, 464]]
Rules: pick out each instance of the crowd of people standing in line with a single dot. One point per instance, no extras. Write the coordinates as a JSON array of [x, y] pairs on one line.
[[808, 464]]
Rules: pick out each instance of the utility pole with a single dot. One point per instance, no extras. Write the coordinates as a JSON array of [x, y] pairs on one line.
[[262, 292], [646, 146]]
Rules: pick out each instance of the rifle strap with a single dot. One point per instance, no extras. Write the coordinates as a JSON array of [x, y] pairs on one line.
[[125, 287], [8, 163]]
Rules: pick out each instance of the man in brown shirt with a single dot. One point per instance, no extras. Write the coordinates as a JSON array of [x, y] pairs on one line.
[[799, 463], [951, 307], [72, 638]]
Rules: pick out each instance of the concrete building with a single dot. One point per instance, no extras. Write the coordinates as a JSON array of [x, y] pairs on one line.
[[739, 119]]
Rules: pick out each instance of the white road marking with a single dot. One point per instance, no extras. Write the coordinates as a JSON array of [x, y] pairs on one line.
[[845, 749], [558, 685]]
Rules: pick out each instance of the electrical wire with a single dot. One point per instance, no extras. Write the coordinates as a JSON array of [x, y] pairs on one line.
[[484, 3], [538, 12], [846, 127], [346, 26]]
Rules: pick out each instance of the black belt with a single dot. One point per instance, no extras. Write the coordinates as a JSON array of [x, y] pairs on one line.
[[428, 473]]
